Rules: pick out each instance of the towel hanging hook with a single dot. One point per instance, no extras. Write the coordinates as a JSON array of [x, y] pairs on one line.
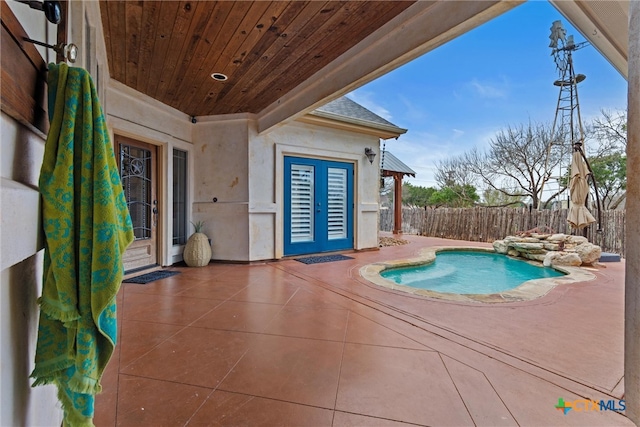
[[51, 9], [69, 51]]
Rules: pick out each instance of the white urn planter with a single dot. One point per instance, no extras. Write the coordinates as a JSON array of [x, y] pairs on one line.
[[197, 252]]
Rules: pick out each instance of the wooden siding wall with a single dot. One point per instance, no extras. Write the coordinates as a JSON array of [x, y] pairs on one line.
[[488, 224], [23, 76], [24, 127]]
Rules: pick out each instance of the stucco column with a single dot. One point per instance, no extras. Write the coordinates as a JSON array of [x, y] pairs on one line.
[[632, 276]]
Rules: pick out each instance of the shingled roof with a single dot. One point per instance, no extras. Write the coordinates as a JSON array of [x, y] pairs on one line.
[[344, 106], [345, 110]]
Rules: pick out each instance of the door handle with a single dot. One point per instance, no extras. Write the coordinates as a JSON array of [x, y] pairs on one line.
[[155, 213]]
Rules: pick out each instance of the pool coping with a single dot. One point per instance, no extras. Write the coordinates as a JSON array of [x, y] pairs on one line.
[[529, 290]]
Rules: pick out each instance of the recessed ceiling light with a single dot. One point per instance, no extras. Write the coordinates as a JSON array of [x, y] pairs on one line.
[[219, 77]]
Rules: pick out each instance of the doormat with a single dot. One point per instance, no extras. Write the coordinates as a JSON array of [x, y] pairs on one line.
[[322, 258], [150, 277]]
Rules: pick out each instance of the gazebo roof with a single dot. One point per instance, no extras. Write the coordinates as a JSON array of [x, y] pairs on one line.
[[392, 164]]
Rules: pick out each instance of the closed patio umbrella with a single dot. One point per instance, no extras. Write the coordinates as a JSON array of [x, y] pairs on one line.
[[579, 216]]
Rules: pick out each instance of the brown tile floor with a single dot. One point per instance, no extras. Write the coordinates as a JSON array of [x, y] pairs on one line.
[[290, 344]]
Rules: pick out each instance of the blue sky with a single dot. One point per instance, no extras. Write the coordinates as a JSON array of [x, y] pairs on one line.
[[501, 73]]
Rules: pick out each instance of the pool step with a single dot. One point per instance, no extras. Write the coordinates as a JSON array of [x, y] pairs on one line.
[[609, 257]]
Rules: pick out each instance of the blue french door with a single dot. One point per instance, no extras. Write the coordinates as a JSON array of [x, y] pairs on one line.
[[318, 211]]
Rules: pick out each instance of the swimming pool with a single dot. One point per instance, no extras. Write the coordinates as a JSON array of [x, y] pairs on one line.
[[469, 272], [527, 290]]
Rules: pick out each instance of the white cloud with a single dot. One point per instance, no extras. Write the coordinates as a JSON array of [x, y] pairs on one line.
[[484, 137], [421, 151], [490, 89], [414, 111]]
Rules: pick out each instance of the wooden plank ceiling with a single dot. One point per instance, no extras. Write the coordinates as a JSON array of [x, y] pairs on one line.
[[169, 49]]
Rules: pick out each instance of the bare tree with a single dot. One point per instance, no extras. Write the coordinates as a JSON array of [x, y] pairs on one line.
[[457, 185], [520, 161], [609, 132], [386, 191], [453, 171], [607, 143], [498, 199]]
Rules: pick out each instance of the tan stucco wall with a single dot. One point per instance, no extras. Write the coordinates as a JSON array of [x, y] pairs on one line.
[[220, 171], [262, 207], [305, 140], [244, 171]]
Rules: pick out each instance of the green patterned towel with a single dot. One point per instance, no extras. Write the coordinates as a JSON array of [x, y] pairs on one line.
[[87, 229]]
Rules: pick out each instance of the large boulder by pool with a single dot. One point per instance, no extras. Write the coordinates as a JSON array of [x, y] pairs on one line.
[[562, 258], [588, 252], [551, 249]]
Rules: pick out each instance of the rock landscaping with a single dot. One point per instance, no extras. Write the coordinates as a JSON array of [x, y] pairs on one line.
[[550, 249], [391, 241]]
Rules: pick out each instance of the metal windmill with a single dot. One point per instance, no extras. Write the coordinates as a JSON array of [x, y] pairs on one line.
[[567, 121], [568, 107]]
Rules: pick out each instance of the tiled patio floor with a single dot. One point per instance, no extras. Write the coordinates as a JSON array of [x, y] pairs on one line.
[[290, 344]]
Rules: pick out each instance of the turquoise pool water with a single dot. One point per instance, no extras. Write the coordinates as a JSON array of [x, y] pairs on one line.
[[469, 272]]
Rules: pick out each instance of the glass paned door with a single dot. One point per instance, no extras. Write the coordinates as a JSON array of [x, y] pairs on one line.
[[318, 206], [179, 197], [137, 165], [135, 173]]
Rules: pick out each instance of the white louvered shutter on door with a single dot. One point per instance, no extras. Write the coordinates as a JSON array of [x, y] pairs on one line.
[[302, 201], [337, 203]]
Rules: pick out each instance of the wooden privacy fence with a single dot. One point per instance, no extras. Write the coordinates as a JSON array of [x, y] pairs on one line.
[[481, 224]]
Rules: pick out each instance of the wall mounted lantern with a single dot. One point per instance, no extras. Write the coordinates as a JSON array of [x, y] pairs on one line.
[[370, 154]]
